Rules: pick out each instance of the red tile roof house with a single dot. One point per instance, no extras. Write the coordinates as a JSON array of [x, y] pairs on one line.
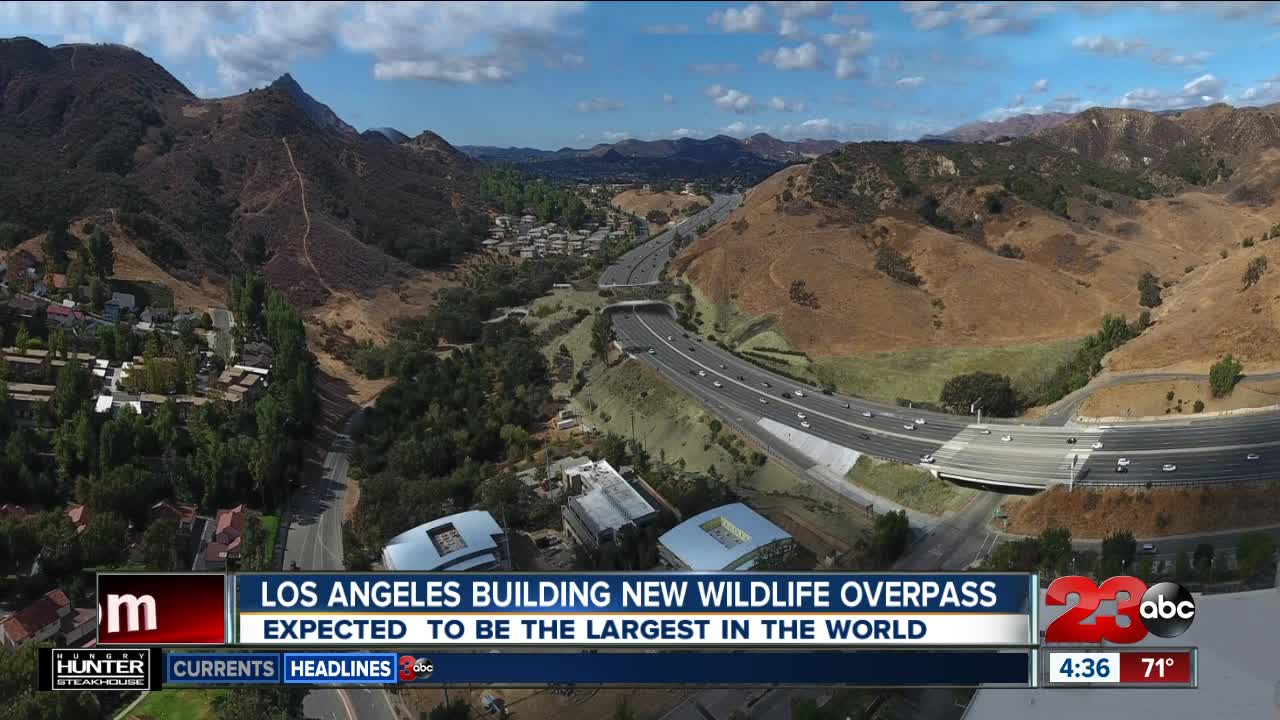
[[225, 545], [80, 517], [64, 316], [51, 617], [183, 515]]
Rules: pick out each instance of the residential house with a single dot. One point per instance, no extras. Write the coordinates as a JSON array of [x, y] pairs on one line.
[[157, 315], [126, 301], [228, 530], [182, 515], [80, 516], [26, 401], [63, 316], [50, 617]]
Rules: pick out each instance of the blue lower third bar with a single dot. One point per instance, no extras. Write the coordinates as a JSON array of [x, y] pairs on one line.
[[335, 668], [865, 668], [207, 668]]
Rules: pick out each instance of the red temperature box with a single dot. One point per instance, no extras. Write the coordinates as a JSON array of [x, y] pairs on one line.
[[162, 609], [1171, 667]]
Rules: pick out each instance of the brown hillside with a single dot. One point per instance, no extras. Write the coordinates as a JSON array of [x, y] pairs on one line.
[[1072, 272], [640, 202]]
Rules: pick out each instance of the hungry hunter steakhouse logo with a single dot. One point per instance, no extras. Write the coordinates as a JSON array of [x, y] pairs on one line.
[[98, 669]]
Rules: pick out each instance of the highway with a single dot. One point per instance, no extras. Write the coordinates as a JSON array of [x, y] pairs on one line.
[[642, 265]]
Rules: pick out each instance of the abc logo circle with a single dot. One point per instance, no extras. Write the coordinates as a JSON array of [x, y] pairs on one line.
[[1167, 609], [413, 668]]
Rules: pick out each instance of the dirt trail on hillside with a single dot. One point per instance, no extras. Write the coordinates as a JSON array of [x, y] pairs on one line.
[[306, 215]]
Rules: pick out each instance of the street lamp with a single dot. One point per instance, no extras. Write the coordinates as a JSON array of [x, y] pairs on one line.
[[975, 406]]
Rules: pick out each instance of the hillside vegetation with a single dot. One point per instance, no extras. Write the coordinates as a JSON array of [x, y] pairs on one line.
[[902, 246]]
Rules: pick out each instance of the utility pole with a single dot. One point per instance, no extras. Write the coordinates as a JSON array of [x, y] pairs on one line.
[[975, 405]]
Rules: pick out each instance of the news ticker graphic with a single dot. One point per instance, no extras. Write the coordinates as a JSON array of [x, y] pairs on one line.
[[636, 609], [163, 609], [1120, 667], [867, 668], [112, 669]]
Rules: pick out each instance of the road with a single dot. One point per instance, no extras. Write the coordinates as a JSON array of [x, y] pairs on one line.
[[314, 542], [642, 265]]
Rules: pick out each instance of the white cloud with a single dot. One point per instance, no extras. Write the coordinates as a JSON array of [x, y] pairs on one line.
[[1040, 85], [730, 100], [663, 29], [1107, 45], [989, 18], [850, 44], [804, 10], [668, 99], [1204, 90], [714, 68], [684, 132], [1188, 60], [815, 128], [615, 135], [800, 57], [910, 83], [598, 104], [791, 29], [735, 128], [749, 19], [1267, 92], [847, 67], [781, 104]]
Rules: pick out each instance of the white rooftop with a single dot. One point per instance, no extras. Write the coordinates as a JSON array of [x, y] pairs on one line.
[[454, 542], [719, 538], [607, 500]]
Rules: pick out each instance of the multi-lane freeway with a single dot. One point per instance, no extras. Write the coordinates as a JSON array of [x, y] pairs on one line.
[[642, 265], [998, 453]]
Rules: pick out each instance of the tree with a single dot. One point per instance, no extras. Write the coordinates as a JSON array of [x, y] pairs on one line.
[[56, 243], [601, 335], [106, 541], [457, 710], [1007, 250], [1181, 566], [1224, 375], [1149, 290], [994, 393], [1254, 272], [99, 294], [1255, 553], [102, 254], [19, 699], [1055, 550], [1203, 559], [1118, 551], [268, 703], [657, 217], [165, 547], [890, 536], [896, 265]]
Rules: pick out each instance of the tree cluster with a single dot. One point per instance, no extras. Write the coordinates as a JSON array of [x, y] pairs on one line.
[[896, 265], [1254, 272], [516, 194], [1149, 290], [802, 295], [993, 393], [1224, 375]]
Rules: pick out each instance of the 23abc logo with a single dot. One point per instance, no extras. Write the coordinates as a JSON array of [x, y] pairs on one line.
[[1165, 609], [415, 668]]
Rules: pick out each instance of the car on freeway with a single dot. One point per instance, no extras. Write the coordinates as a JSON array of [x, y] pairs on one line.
[[1122, 462], [1168, 467], [864, 436], [1252, 456], [652, 351], [1147, 549], [723, 366], [765, 384], [786, 396], [692, 371], [801, 415], [741, 378], [669, 337], [799, 393], [764, 401], [1071, 441], [1006, 438], [868, 414], [692, 349], [1097, 445], [920, 421], [926, 459], [718, 384], [702, 373], [805, 424], [984, 431], [844, 405], [685, 335], [1122, 468], [908, 426]]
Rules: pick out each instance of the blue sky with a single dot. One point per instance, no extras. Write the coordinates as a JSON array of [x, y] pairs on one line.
[[574, 73]]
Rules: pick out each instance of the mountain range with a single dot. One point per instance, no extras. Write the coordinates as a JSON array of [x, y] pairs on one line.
[[996, 130]]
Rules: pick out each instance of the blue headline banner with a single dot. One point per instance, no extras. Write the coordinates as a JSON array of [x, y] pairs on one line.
[[784, 593]]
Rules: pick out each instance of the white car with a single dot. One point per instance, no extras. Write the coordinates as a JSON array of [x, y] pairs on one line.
[[868, 414], [844, 405], [652, 351], [984, 431], [805, 424], [799, 393], [1097, 445], [1006, 438], [801, 415], [723, 366], [1123, 462], [764, 401], [1168, 467], [1252, 456], [670, 338], [908, 426], [718, 384], [926, 459], [920, 421]]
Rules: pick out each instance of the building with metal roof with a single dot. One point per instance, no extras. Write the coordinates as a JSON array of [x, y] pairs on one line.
[[470, 540], [730, 537], [601, 503]]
